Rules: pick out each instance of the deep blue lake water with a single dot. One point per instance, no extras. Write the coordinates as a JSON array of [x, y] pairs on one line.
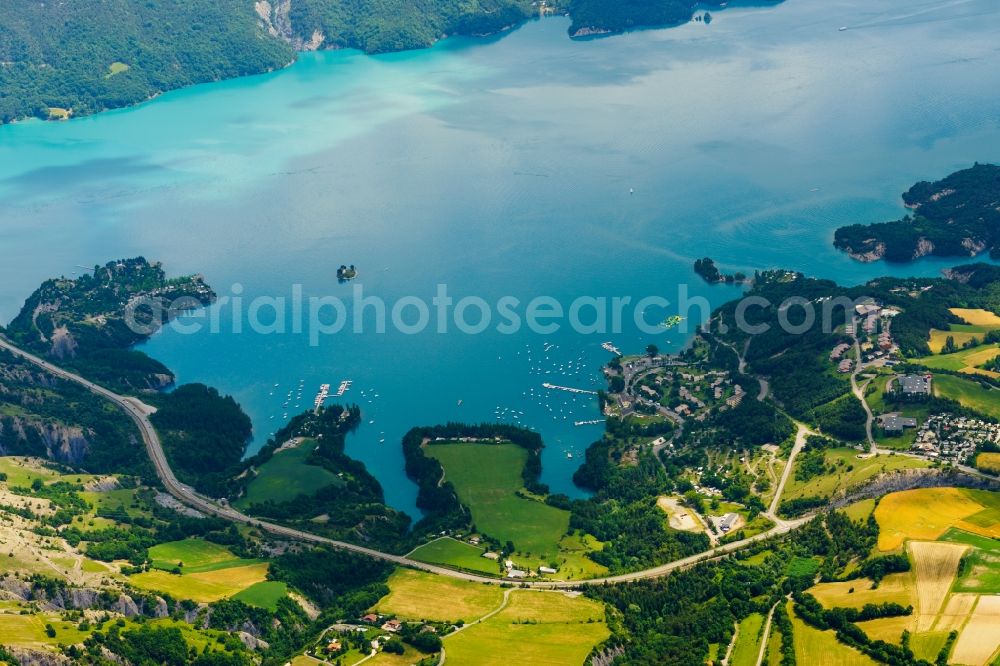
[[503, 167]]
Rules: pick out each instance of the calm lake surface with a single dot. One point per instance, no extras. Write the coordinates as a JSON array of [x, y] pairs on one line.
[[503, 167]]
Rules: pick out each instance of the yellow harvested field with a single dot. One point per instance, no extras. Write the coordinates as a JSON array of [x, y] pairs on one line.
[[973, 361], [926, 514], [203, 587], [889, 629], [939, 338], [956, 612], [988, 462], [976, 317], [981, 638], [896, 588], [935, 566], [821, 648], [416, 595]]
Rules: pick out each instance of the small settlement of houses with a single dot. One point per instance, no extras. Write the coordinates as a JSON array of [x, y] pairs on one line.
[[874, 340], [955, 438]]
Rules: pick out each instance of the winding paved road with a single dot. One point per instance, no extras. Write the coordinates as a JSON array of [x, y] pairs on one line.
[[139, 413]]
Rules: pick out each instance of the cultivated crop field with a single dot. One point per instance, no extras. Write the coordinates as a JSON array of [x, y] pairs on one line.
[[927, 513], [978, 323], [193, 556], [821, 648], [989, 462], [206, 586], [980, 638], [537, 628], [748, 641], [948, 536], [967, 360], [415, 595], [263, 595]]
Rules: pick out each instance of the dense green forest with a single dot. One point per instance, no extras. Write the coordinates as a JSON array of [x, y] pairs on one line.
[[394, 25], [613, 16], [204, 434], [956, 216], [91, 55], [61, 59]]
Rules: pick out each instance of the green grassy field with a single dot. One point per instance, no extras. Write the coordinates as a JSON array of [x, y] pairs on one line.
[[286, 476], [21, 472], [456, 554], [971, 394], [748, 642], [194, 556], [415, 595], [29, 630], [119, 501], [486, 478], [851, 472], [859, 510], [980, 571], [537, 628], [966, 360], [263, 595]]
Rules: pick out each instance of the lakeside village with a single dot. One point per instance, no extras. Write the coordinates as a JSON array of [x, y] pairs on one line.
[[656, 388]]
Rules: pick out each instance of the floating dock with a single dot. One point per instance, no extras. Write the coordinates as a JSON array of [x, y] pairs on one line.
[[587, 423], [344, 387], [569, 389], [324, 393]]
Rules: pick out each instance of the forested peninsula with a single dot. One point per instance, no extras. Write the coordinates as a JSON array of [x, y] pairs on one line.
[[956, 216], [59, 60]]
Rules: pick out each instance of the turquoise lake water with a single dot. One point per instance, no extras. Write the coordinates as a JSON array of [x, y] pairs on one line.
[[503, 167]]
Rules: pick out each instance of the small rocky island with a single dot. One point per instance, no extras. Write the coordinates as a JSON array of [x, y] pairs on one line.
[[707, 269], [345, 273]]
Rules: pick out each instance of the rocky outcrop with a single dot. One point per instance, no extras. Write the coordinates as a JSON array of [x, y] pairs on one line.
[[252, 642], [32, 657], [126, 606], [607, 656], [161, 610], [102, 485], [911, 479], [924, 247], [15, 588], [591, 32], [876, 251], [82, 597], [275, 19], [973, 245]]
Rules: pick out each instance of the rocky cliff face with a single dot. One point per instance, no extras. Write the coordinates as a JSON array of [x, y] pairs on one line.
[[84, 598], [24, 435]]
